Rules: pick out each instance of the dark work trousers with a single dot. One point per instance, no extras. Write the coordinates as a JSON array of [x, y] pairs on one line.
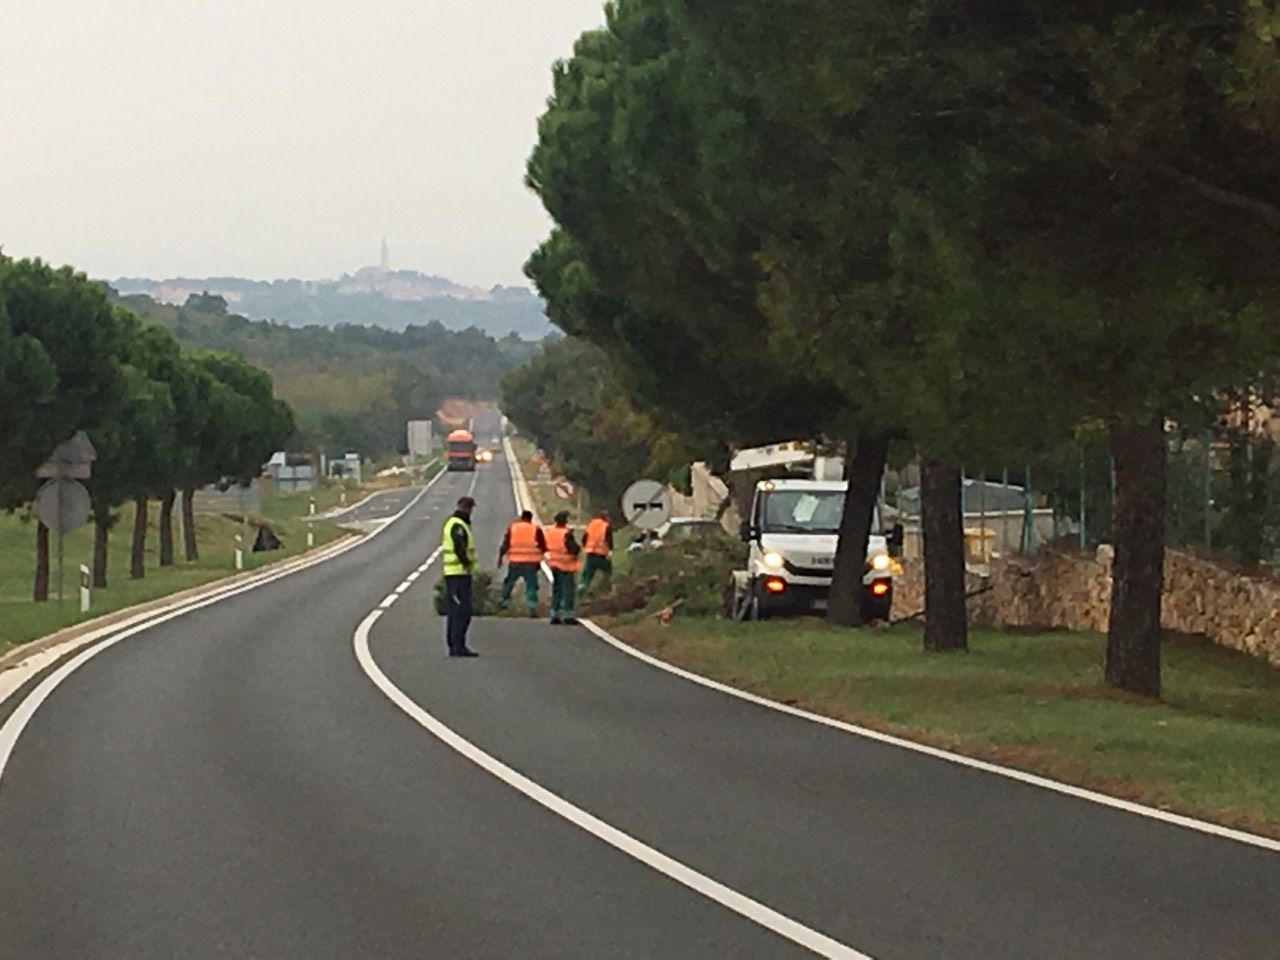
[[458, 611]]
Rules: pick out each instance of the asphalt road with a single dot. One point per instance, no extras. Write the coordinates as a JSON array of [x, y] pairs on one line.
[[231, 783]]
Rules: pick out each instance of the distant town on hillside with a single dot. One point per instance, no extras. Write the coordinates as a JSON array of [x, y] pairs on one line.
[[380, 296]]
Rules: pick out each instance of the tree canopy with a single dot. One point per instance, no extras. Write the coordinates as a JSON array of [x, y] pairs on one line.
[[988, 227]]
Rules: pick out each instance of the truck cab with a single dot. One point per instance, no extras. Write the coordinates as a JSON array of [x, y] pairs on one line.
[[793, 532], [460, 450]]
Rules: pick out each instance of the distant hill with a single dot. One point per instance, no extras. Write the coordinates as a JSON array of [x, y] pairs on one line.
[[372, 296], [351, 386]]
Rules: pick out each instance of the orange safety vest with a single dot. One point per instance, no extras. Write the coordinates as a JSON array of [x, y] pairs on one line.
[[523, 545], [557, 555], [598, 537]]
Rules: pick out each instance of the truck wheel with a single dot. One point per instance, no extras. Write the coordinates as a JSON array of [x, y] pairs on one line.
[[873, 610]]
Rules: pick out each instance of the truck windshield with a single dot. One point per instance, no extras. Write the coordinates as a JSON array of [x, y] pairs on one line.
[[802, 511]]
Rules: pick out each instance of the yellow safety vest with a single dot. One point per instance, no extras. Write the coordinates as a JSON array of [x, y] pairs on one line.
[[454, 565]]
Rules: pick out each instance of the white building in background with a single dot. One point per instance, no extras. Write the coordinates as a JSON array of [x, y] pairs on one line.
[[291, 473], [347, 467], [420, 438]]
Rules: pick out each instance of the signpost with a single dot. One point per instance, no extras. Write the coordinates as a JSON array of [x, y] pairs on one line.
[[564, 489], [647, 504], [63, 503]]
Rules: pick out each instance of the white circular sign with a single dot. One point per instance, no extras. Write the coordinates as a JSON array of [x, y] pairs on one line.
[[647, 504], [64, 513], [565, 489]]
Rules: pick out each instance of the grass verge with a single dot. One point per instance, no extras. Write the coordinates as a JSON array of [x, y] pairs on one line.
[[22, 621], [1033, 701]]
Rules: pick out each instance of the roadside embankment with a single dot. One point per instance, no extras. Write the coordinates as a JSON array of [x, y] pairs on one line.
[[22, 621]]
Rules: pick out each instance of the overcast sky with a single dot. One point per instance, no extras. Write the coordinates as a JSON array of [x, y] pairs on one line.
[[276, 138]]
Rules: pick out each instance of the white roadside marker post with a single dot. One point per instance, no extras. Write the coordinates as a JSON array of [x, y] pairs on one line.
[[86, 589], [311, 539], [239, 552], [313, 506]]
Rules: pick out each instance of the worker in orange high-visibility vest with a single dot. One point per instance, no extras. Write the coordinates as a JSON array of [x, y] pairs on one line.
[[523, 548], [597, 544], [564, 556]]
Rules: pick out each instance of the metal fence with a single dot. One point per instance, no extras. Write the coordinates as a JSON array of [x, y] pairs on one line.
[[1223, 498]]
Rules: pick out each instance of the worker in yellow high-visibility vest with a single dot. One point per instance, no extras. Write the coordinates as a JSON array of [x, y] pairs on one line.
[[458, 551]]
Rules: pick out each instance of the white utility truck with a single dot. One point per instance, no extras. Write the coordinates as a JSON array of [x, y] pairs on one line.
[[793, 531]]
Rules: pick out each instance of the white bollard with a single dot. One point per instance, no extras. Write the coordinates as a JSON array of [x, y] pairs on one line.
[[239, 553], [86, 589], [313, 506], [311, 539]]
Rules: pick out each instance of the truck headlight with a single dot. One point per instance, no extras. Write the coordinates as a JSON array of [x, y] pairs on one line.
[[880, 562], [774, 560]]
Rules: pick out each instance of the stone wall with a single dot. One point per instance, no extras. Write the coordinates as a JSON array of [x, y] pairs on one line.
[[1055, 590]]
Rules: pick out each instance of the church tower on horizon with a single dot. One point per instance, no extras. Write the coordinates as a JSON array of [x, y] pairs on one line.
[[385, 261]]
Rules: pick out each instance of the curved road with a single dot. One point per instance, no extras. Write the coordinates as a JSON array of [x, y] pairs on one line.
[[231, 783]]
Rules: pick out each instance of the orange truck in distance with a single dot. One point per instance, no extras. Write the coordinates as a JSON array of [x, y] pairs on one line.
[[460, 450]]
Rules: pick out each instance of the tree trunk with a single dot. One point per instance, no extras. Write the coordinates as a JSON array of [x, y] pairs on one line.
[[942, 524], [166, 528], [41, 592], [101, 529], [137, 552], [866, 468], [189, 524], [1137, 574]]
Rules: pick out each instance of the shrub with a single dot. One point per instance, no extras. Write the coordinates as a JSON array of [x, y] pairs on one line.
[[693, 571], [484, 594]]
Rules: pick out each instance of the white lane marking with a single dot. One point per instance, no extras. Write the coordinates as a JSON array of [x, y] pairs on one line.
[[1080, 793], [739, 903], [413, 576], [22, 714], [388, 601]]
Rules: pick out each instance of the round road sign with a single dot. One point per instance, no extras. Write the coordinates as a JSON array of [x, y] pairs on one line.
[[647, 504], [564, 489], [64, 513]]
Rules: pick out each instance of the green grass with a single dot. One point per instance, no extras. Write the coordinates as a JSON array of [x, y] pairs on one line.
[[292, 506], [1211, 748], [22, 620]]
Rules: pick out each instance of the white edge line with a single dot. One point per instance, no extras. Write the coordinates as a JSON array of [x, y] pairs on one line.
[[1057, 786], [753, 910], [42, 658], [17, 721], [1080, 793]]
